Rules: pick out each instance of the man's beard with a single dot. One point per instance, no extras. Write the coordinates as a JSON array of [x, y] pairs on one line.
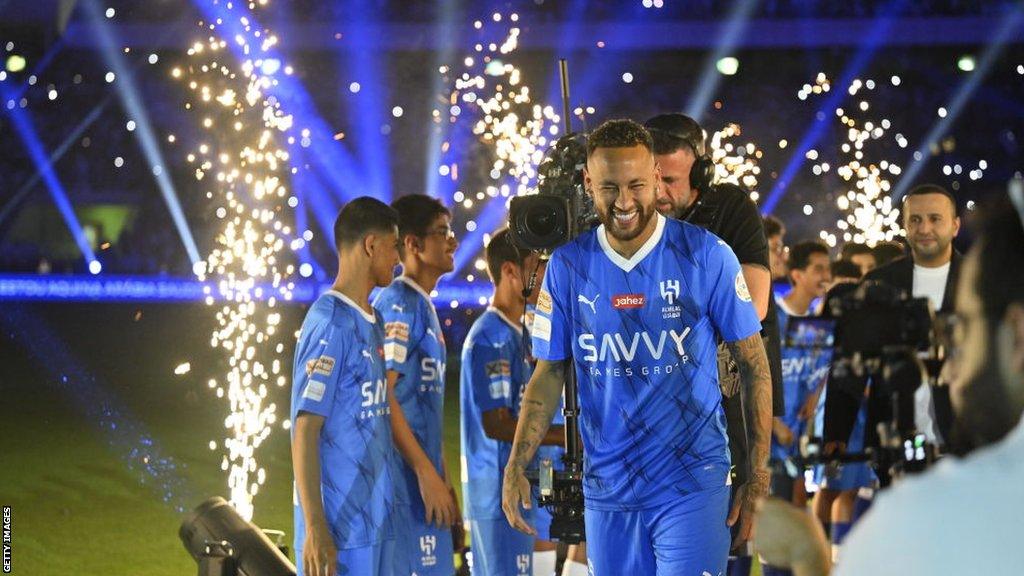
[[937, 249], [643, 219], [985, 413]]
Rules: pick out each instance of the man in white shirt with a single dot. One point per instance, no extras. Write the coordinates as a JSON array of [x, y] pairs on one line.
[[931, 223], [964, 516]]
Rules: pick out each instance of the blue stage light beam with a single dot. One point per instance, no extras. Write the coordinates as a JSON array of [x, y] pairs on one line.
[[365, 112], [493, 216], [729, 39], [444, 27], [55, 157], [824, 114], [23, 125], [131, 99], [963, 94], [330, 157]]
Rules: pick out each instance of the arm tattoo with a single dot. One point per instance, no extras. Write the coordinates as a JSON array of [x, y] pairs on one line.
[[539, 404], [756, 394]]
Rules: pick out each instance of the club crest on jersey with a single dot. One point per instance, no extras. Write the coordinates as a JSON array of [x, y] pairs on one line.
[[670, 291], [742, 292], [620, 301], [523, 564], [428, 544]]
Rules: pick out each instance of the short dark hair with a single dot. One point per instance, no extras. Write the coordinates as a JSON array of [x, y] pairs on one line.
[[888, 250], [922, 189], [851, 249], [675, 131], [362, 217], [416, 212], [773, 226], [844, 268], [500, 250], [621, 133], [1000, 279], [800, 253]]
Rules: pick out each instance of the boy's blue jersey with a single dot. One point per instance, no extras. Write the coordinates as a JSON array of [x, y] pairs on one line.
[[493, 375], [642, 332], [803, 370], [414, 347], [339, 374]]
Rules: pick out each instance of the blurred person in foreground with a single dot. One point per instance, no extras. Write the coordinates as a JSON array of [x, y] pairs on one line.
[[963, 516]]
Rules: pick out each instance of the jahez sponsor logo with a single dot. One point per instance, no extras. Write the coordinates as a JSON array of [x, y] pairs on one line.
[[620, 301]]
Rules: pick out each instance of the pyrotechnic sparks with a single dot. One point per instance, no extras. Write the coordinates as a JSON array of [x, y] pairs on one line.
[[243, 168], [490, 92], [865, 206], [735, 163]]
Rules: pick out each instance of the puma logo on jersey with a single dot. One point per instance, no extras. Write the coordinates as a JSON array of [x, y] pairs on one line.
[[583, 299]]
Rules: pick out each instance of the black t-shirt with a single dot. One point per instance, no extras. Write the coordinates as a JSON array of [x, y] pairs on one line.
[[728, 212]]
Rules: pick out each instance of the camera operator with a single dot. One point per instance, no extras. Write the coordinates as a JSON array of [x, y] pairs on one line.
[[687, 193], [931, 223], [638, 304], [963, 516], [495, 369]]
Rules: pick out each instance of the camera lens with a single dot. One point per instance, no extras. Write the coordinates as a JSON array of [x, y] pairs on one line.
[[541, 221]]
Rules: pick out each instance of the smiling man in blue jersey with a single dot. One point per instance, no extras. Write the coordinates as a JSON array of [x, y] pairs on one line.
[[342, 450], [495, 369], [415, 351], [638, 304]]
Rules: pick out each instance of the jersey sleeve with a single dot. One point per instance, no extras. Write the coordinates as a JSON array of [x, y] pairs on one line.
[[748, 241], [490, 374], [729, 304], [551, 323], [323, 371], [402, 330]]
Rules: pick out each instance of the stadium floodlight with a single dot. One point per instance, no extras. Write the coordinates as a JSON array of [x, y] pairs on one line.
[[132, 101], [721, 62]]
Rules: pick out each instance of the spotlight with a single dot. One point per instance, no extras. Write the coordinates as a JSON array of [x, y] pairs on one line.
[[95, 267], [15, 63], [223, 543], [965, 63], [728, 65]]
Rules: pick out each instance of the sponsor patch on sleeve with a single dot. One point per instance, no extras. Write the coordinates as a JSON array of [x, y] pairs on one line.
[[542, 328], [544, 302], [395, 352], [398, 331], [499, 373], [314, 390], [742, 292], [323, 365]]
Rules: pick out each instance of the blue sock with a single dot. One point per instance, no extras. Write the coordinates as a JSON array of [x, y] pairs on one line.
[[739, 565], [860, 506], [839, 532]]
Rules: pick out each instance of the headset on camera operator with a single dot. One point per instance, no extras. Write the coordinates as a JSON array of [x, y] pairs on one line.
[[963, 516], [688, 193], [930, 219]]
